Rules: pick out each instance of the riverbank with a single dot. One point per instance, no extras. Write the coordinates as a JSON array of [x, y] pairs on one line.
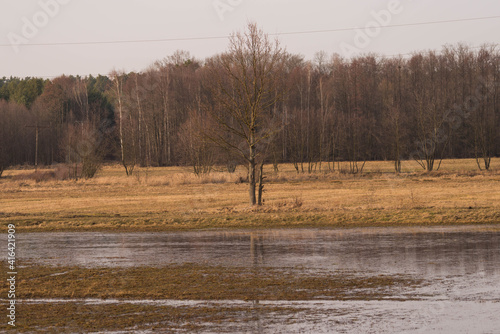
[[172, 199]]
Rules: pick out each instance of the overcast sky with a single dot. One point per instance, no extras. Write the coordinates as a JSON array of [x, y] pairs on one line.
[[28, 22]]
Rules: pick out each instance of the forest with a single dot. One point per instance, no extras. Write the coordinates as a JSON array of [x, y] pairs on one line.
[[316, 113]]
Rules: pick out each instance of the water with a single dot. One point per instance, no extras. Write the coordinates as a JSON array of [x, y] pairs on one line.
[[462, 265]]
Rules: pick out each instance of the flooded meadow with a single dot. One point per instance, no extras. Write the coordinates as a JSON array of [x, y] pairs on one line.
[[455, 273]]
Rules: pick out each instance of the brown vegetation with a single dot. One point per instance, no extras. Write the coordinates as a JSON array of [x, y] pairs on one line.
[[82, 317], [200, 282], [174, 198]]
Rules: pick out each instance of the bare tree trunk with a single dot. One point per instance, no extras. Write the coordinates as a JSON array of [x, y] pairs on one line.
[[148, 146], [397, 153], [323, 122], [165, 82], [251, 181], [308, 129], [166, 131], [261, 183], [285, 122], [139, 105], [118, 87]]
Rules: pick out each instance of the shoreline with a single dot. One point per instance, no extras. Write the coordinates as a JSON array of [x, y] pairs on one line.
[[288, 222]]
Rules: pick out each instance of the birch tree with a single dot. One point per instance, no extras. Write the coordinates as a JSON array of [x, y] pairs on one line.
[[127, 157]]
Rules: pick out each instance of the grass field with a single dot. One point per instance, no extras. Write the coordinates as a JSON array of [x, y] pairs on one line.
[[174, 198]]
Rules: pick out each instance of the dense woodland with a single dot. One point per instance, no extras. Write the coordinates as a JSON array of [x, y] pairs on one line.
[[427, 106]]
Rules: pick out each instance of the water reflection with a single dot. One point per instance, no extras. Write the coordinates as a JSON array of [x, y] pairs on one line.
[[427, 251], [256, 249]]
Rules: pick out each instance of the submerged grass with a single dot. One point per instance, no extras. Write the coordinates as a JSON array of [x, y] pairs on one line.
[[200, 282], [124, 286], [75, 317]]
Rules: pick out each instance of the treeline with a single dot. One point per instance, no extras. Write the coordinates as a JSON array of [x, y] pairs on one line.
[[40, 118], [428, 106]]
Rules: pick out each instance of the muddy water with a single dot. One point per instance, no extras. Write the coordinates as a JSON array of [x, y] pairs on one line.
[[462, 266]]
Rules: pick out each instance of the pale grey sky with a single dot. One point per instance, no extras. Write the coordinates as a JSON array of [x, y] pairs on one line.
[[26, 22]]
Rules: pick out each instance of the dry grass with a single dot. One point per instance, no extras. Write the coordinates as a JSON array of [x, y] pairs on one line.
[[175, 198], [81, 317], [179, 282], [202, 282]]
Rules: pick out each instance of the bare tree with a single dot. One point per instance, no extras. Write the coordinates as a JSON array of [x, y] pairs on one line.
[[128, 157], [84, 146], [484, 116], [197, 150], [244, 83], [392, 116], [430, 106], [325, 111]]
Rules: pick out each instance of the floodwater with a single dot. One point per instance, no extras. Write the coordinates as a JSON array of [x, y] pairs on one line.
[[460, 264]]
